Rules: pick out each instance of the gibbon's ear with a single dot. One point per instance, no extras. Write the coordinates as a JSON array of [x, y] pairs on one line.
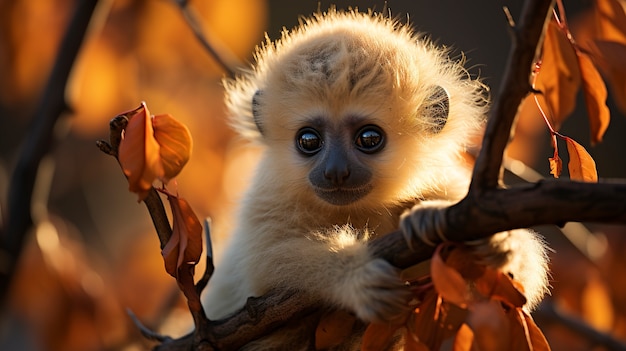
[[438, 108], [256, 113]]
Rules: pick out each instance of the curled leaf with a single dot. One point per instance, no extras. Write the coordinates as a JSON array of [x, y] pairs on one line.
[[610, 20], [175, 144], [434, 322], [448, 282], [464, 339], [581, 165], [378, 336], [524, 333], [556, 166], [559, 77], [499, 287], [185, 244], [595, 98], [139, 152], [490, 326], [607, 44]]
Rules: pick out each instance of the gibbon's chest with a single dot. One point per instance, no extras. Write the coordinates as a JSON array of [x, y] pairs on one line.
[[377, 222]]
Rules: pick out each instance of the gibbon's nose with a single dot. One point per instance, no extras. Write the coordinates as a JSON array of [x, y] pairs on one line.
[[337, 173]]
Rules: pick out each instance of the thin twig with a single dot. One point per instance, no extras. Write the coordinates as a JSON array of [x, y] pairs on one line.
[[220, 53], [147, 333], [38, 143], [509, 17], [548, 312]]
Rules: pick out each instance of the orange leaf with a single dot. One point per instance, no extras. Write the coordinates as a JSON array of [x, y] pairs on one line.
[[609, 53], [610, 20], [185, 244], [610, 56], [556, 166], [448, 282], [525, 335], [435, 321], [175, 144], [498, 286], [463, 261], [490, 326], [581, 166], [464, 339], [424, 324], [412, 343], [559, 77], [139, 152], [377, 336], [333, 328], [595, 98], [537, 339]]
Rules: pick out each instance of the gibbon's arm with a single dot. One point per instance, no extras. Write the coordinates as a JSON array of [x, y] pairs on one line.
[[334, 266]]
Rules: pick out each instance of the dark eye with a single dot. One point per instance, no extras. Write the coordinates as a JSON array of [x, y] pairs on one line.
[[370, 139], [309, 141]]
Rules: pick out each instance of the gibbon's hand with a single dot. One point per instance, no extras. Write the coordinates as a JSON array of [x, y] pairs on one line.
[[374, 291]]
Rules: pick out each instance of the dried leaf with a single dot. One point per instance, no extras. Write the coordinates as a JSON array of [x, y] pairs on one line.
[[559, 77], [448, 282], [498, 286], [611, 56], [412, 343], [423, 324], [581, 165], [525, 335], [610, 20], [185, 281], [175, 144], [556, 166], [537, 339], [139, 152], [609, 48], [489, 325], [185, 244], [463, 261], [436, 321], [464, 339], [377, 336], [595, 98], [333, 328]]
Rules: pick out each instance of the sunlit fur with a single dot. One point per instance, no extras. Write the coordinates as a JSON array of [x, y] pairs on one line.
[[338, 66]]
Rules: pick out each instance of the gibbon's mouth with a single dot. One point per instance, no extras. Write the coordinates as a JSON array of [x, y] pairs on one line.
[[342, 196]]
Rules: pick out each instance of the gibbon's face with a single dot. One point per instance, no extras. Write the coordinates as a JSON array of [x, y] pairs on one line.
[[350, 155], [348, 151], [340, 174]]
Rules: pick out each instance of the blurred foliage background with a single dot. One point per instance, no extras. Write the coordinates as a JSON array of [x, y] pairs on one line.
[[93, 253]]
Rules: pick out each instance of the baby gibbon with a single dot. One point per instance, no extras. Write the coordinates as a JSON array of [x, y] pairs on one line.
[[360, 119]]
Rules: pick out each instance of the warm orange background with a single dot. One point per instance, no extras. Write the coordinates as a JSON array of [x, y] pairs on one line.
[[94, 252]]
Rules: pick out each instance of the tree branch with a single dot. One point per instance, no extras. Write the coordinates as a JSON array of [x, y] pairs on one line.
[[220, 53], [549, 313], [527, 39], [38, 143]]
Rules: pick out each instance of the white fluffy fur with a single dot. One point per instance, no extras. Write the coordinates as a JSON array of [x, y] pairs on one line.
[[336, 65]]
